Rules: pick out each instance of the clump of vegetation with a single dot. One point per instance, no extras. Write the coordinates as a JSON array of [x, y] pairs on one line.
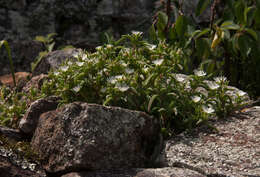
[[134, 74]]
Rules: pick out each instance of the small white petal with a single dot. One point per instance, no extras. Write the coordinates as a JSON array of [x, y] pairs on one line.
[[64, 68], [56, 73], [158, 62], [137, 32], [213, 85], [122, 87], [109, 46], [208, 109], [80, 63], [151, 46], [179, 78], [199, 73], [220, 79], [241, 93], [195, 99], [77, 88], [98, 47]]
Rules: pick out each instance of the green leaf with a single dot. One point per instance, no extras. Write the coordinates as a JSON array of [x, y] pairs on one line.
[[249, 15], [198, 33], [151, 102], [162, 21], [201, 6], [239, 11], [202, 48], [41, 39], [152, 33], [243, 45], [252, 33], [230, 25], [181, 26], [147, 81]]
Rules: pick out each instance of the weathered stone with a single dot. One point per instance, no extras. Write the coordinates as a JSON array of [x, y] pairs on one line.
[[232, 151], [54, 59], [11, 133], [20, 77], [29, 122], [157, 172], [7, 169], [79, 23], [35, 82], [89, 136]]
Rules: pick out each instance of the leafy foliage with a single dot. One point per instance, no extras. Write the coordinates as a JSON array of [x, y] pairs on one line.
[[137, 75]]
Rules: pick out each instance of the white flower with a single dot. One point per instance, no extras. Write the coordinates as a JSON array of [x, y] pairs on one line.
[[213, 85], [195, 99], [220, 79], [109, 46], [77, 88], [208, 109], [199, 73], [241, 93], [175, 111], [98, 47], [129, 71], [64, 68], [70, 63], [113, 79], [151, 46], [158, 62], [146, 69], [56, 73], [122, 87], [80, 63], [179, 78], [84, 57], [137, 32], [75, 55]]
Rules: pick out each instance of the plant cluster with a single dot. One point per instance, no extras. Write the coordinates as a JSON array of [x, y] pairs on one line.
[[135, 74], [229, 44]]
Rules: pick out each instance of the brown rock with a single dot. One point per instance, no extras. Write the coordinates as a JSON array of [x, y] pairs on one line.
[[7, 169], [30, 120], [20, 77], [89, 136], [35, 82]]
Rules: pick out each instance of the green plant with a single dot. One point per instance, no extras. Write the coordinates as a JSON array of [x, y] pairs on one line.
[[48, 42], [137, 75], [8, 50], [228, 45]]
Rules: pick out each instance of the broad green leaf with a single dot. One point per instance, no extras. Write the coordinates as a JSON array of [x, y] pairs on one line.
[[41, 39], [198, 33], [243, 45], [202, 48], [181, 26], [162, 21], [249, 15], [239, 11], [201, 6], [152, 33], [229, 25], [151, 102], [252, 33], [148, 80]]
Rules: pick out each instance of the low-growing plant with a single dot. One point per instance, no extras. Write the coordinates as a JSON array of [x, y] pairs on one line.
[[137, 75], [8, 50]]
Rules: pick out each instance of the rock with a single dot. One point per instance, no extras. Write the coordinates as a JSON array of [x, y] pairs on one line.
[[7, 169], [233, 151], [29, 121], [81, 136], [11, 133], [20, 77], [158, 172], [79, 23], [54, 59], [35, 82]]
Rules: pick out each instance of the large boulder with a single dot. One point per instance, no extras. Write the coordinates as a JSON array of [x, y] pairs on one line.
[[231, 151], [81, 136], [29, 121]]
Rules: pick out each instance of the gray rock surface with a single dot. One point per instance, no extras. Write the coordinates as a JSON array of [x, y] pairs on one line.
[[82, 136], [78, 22], [54, 59], [29, 122], [159, 172], [234, 151]]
